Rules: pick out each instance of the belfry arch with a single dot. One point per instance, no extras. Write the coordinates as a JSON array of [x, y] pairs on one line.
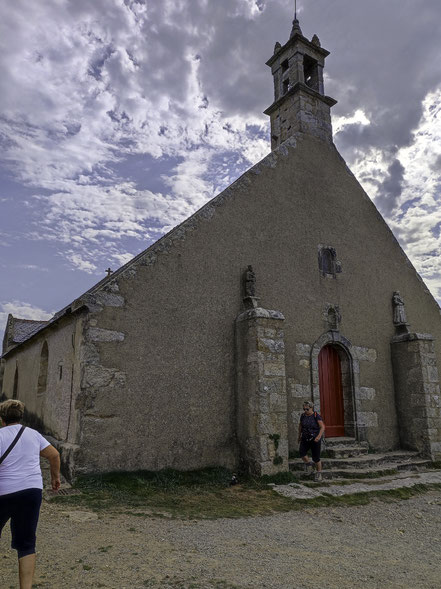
[[339, 352]]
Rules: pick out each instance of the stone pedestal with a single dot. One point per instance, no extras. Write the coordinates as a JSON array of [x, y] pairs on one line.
[[262, 426], [417, 393]]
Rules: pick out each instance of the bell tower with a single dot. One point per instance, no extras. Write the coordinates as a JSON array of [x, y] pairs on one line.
[[300, 104]]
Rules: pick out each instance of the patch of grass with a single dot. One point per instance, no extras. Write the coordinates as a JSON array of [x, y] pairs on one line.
[[207, 494], [436, 465], [169, 493], [281, 478]]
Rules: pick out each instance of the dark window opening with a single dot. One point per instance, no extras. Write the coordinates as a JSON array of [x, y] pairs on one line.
[[15, 389], [310, 70], [42, 375], [328, 263], [60, 371], [285, 86], [285, 65]]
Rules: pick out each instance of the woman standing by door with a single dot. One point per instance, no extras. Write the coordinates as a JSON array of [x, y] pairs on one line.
[[21, 483]]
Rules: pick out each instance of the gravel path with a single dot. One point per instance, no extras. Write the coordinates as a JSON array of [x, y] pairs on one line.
[[388, 545]]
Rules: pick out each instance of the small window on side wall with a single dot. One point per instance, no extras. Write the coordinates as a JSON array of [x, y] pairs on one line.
[[42, 375], [328, 263], [15, 389]]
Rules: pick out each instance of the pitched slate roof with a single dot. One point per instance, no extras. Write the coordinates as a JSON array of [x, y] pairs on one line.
[[23, 329]]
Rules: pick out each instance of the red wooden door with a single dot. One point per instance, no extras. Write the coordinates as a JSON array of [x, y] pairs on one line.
[[331, 392]]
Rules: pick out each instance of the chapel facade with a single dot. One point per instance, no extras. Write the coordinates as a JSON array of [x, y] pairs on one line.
[[287, 286]]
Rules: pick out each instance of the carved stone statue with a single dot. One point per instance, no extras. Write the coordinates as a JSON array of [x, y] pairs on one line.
[[250, 282], [250, 299], [399, 310], [334, 317]]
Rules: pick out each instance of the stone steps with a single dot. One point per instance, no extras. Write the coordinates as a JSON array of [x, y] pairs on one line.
[[391, 468], [345, 451], [370, 460], [349, 469], [401, 481], [362, 465], [344, 447], [343, 441]]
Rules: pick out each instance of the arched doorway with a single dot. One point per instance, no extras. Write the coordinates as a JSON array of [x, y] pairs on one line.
[[331, 391]]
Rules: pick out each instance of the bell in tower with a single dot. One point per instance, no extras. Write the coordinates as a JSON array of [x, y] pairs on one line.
[[300, 105]]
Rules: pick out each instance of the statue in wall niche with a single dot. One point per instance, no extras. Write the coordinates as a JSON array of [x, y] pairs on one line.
[[334, 317], [250, 282], [250, 298], [400, 319], [399, 310]]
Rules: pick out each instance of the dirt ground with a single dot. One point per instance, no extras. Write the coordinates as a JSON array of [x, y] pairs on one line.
[[388, 545]]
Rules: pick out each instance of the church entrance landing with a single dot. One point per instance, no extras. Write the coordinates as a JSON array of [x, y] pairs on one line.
[[331, 391]]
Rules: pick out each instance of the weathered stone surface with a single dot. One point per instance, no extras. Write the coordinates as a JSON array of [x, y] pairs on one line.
[[262, 398], [367, 419], [100, 377], [417, 392], [96, 334], [303, 350], [301, 391], [274, 369], [364, 354], [110, 299], [366, 393]]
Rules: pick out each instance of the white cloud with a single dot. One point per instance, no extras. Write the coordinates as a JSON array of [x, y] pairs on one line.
[[106, 95], [89, 84]]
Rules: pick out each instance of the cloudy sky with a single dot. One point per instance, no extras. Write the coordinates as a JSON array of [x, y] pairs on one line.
[[120, 118]]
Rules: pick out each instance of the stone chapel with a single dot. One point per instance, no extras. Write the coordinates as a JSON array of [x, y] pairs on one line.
[[287, 286]]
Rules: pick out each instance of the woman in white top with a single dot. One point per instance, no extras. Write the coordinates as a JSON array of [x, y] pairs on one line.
[[21, 483]]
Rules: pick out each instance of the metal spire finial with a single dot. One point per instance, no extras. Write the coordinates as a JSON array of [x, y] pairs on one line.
[[295, 23]]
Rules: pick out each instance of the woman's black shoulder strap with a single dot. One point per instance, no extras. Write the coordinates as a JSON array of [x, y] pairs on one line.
[[14, 441]]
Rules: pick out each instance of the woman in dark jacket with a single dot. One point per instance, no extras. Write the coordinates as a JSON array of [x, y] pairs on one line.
[[21, 483]]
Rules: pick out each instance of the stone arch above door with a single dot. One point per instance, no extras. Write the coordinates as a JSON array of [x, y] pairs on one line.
[[350, 376]]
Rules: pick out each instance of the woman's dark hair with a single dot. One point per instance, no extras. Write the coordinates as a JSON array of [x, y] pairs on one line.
[[11, 411]]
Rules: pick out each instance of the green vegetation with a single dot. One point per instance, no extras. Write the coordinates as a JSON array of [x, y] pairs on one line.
[[198, 494], [207, 494]]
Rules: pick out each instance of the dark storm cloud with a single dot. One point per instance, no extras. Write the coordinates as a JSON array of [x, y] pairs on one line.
[[391, 187], [89, 87]]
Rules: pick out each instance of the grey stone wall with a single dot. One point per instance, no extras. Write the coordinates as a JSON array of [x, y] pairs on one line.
[[157, 366], [302, 112], [262, 426], [417, 393], [178, 302], [56, 405]]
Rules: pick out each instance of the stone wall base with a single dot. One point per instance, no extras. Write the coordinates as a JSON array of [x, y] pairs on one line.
[[417, 393], [261, 391]]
